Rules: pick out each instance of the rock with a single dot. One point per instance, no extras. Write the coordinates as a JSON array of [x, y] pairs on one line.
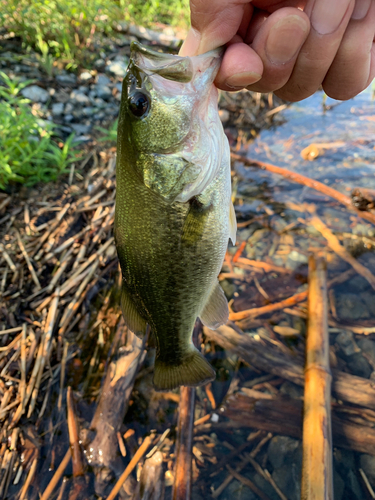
[[99, 64], [239, 491], [281, 450], [81, 129], [278, 223], [77, 113], [103, 92], [69, 108], [359, 365], [288, 479], [350, 306], [119, 87], [292, 390], [83, 89], [368, 465], [57, 109], [368, 349], [118, 67], [85, 76], [347, 343], [354, 486], [66, 79], [35, 93], [228, 287], [89, 111], [68, 118], [338, 485], [224, 115], [99, 103], [368, 298], [103, 80], [99, 116], [295, 259], [263, 485], [79, 98], [82, 139]]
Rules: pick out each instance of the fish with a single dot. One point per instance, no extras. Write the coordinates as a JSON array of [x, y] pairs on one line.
[[174, 213]]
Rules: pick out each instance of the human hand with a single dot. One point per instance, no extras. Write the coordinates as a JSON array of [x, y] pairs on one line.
[[272, 45]]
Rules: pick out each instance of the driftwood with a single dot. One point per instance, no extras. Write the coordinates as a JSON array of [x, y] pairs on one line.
[[129, 469], [317, 474], [268, 357], [283, 415], [151, 482], [79, 489], [183, 467], [113, 404]]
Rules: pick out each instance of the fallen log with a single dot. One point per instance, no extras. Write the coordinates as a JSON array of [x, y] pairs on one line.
[[283, 415], [268, 357]]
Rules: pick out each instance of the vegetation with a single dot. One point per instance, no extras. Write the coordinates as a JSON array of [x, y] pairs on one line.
[[28, 153], [173, 12], [65, 30], [64, 33]]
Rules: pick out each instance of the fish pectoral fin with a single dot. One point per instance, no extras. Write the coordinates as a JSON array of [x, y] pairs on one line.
[[195, 221], [132, 318], [232, 224], [194, 370], [215, 313]]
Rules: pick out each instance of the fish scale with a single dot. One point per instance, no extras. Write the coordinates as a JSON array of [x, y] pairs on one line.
[[171, 251]]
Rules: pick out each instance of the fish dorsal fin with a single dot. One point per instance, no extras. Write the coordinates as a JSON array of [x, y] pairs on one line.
[[193, 370], [132, 318], [232, 224], [215, 312]]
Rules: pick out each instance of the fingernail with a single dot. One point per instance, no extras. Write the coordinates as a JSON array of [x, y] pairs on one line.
[[360, 9], [241, 80], [285, 39], [191, 44], [326, 16]]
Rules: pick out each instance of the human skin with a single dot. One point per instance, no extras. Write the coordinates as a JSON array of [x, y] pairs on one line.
[[290, 47]]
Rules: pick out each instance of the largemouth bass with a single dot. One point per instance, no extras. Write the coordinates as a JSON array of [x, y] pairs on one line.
[[174, 213]]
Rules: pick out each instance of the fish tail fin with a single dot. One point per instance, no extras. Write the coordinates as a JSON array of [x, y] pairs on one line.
[[194, 370]]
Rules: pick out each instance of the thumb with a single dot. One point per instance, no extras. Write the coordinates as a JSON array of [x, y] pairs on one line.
[[214, 23]]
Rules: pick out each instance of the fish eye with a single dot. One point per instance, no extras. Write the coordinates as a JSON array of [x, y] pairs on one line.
[[139, 104]]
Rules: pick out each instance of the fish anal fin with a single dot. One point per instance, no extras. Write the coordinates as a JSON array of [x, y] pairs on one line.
[[215, 312], [232, 224], [132, 318], [193, 371]]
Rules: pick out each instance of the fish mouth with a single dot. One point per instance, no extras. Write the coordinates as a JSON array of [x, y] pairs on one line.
[[176, 68]]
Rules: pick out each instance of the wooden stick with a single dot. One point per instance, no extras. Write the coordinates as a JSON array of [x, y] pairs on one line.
[[317, 474], [244, 480], [305, 181], [78, 469], [57, 476], [183, 468], [184, 442], [336, 246], [132, 464], [259, 311], [29, 265], [29, 478]]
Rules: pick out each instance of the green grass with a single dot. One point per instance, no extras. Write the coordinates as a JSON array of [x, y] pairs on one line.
[[67, 27], [172, 12], [65, 30], [28, 153]]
